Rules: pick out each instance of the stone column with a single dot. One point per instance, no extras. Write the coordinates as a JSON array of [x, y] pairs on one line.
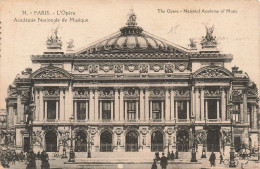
[[45, 110], [121, 104], [167, 105], [96, 105], [202, 92], [172, 104], [70, 102], [162, 108], [62, 104], [57, 111], [217, 109], [227, 100], [151, 110], [176, 108], [188, 110], [245, 107], [91, 105], [19, 103], [116, 105], [22, 113], [206, 109], [100, 110], [37, 105], [254, 112], [87, 111], [41, 105], [141, 104], [146, 106], [126, 111], [223, 104], [112, 110], [75, 111], [197, 102], [137, 110], [193, 104], [241, 113], [10, 116]]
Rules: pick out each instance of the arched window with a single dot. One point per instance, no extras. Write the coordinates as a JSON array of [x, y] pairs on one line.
[[106, 141], [51, 141], [213, 140], [131, 141], [157, 141], [80, 142], [183, 141]]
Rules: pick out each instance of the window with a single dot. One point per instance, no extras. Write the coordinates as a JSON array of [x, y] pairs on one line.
[[182, 109], [106, 110], [131, 110], [156, 105], [236, 112], [212, 108], [51, 109], [81, 110]]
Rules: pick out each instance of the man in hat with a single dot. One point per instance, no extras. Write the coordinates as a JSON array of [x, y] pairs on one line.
[[164, 161]]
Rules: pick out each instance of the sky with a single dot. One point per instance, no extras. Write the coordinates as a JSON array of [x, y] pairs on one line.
[[237, 33]]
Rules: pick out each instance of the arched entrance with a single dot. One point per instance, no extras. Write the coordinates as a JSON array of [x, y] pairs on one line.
[[213, 140], [182, 141], [80, 142], [106, 141], [51, 141], [157, 142], [131, 141]]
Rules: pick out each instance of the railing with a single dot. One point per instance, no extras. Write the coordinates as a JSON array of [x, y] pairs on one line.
[[131, 120], [183, 147], [156, 147], [156, 120], [105, 147], [131, 147]]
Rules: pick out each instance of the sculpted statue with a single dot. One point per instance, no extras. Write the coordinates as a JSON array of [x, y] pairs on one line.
[[192, 43], [209, 39]]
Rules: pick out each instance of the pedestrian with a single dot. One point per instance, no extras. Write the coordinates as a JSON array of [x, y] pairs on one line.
[[169, 155], [212, 159], [164, 161], [38, 155], [31, 163], [13, 158], [45, 160], [172, 155], [221, 158], [154, 166], [157, 156]]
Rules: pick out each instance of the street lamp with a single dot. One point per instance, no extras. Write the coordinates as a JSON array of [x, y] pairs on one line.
[[64, 139], [89, 142], [232, 153], [72, 154], [204, 144], [193, 152]]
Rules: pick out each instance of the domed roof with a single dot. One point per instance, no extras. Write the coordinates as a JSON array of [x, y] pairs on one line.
[[132, 38]]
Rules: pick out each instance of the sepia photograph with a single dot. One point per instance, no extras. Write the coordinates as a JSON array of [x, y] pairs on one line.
[[113, 84]]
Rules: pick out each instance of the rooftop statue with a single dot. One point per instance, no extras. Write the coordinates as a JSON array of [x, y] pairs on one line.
[[54, 41], [132, 19], [70, 44], [209, 40]]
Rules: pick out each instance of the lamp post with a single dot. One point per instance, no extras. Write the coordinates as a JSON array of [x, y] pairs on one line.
[[193, 152], [64, 139], [203, 155], [72, 154], [89, 142], [232, 153]]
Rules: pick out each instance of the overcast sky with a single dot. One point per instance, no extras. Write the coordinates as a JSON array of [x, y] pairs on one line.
[[237, 33]]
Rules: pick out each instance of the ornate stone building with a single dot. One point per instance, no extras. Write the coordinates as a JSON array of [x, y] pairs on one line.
[[133, 91]]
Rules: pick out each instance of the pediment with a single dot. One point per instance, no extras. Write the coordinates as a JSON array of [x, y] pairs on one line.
[[212, 71], [51, 72]]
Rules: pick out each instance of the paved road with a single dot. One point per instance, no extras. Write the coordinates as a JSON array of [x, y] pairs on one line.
[[59, 164]]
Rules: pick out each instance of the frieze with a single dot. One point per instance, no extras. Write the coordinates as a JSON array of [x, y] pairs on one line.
[[131, 67], [25, 95], [106, 68], [81, 68], [37, 138], [80, 92], [131, 92], [238, 131], [212, 92], [182, 93], [169, 68], [226, 136], [156, 67], [118, 68], [51, 74], [237, 95], [143, 68], [93, 69], [51, 92], [157, 92], [106, 92]]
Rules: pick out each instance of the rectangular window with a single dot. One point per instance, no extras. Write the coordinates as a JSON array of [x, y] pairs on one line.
[[156, 109], [131, 110], [106, 110], [236, 112], [81, 110], [212, 108], [51, 109], [182, 109]]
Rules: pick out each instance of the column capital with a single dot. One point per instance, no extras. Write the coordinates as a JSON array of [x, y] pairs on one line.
[[197, 88], [38, 88]]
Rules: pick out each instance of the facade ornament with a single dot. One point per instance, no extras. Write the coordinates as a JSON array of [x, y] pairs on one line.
[[170, 131], [144, 140], [119, 130], [157, 92], [169, 68], [182, 93], [51, 92], [181, 67], [118, 68], [237, 95], [144, 131], [226, 136], [25, 95], [131, 19], [70, 45], [131, 67], [209, 41], [201, 136], [156, 67], [54, 42], [118, 141], [212, 92], [106, 92], [52, 74], [80, 92], [37, 138], [93, 130], [93, 69], [81, 68], [143, 68], [106, 68]]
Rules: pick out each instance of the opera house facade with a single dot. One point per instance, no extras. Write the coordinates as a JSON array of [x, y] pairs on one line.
[[133, 92]]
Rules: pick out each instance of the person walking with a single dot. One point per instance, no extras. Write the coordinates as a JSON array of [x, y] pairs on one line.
[[164, 161], [221, 158], [45, 160], [212, 159], [172, 155], [154, 166]]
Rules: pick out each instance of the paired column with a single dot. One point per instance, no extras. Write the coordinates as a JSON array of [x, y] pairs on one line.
[[116, 105], [141, 104], [197, 102], [254, 119], [146, 105], [121, 104], [223, 104], [167, 105], [70, 100], [172, 104], [96, 105], [62, 104], [217, 109], [241, 113], [57, 110], [37, 106], [202, 93], [91, 104], [193, 104], [245, 106], [41, 114]]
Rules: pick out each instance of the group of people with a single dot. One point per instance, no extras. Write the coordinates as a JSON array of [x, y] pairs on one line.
[[8, 157], [212, 159], [163, 160]]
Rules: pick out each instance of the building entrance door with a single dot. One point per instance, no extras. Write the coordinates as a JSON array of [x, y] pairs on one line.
[[131, 141], [183, 141], [237, 143], [80, 142], [26, 141], [213, 140], [106, 141], [157, 141], [51, 141]]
